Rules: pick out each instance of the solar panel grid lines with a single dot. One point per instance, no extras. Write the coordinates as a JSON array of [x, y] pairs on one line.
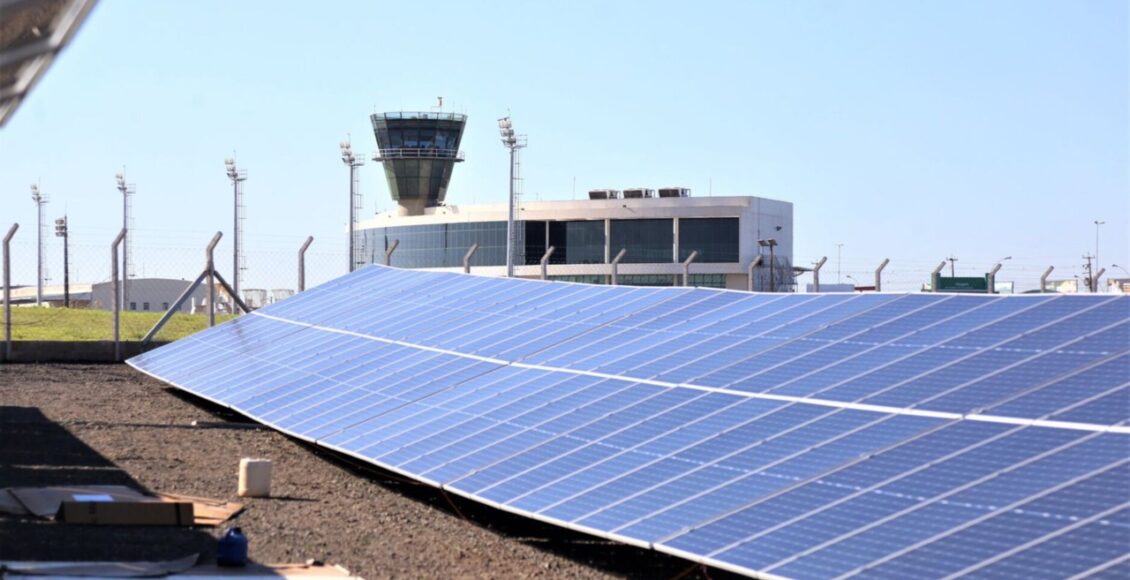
[[918, 506], [874, 357], [855, 493], [825, 343], [486, 388], [983, 376], [1098, 517], [852, 427], [1116, 568], [1001, 510], [870, 347]]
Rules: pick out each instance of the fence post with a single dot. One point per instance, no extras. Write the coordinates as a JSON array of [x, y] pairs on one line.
[[615, 278], [879, 274], [467, 258], [934, 275], [753, 266], [1044, 279], [816, 273], [8, 292], [687, 267], [210, 267], [545, 263], [302, 263], [117, 291], [391, 249]]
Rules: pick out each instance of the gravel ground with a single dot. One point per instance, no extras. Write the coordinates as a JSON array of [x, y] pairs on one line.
[[108, 424]]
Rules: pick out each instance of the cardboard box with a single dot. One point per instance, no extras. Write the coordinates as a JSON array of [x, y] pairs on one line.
[[126, 513]]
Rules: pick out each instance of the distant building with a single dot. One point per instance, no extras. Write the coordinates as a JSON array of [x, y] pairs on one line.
[[658, 229]]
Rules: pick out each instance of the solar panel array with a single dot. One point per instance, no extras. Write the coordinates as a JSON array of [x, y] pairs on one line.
[[795, 435]]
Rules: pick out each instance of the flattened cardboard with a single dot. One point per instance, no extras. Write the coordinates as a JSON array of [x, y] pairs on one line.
[[148, 512], [207, 512], [46, 502]]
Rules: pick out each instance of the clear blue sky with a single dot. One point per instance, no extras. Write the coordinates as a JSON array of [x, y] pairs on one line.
[[904, 129]]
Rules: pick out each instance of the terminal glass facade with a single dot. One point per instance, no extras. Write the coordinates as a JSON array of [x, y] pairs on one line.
[[577, 242], [440, 245], [715, 239], [648, 241]]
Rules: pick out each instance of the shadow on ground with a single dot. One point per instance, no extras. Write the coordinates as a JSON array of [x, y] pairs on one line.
[[35, 451]]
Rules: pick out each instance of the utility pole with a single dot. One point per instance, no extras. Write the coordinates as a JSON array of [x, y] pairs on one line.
[[61, 231], [40, 200], [951, 261]]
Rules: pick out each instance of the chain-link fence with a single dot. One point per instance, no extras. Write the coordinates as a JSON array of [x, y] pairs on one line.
[[164, 268]]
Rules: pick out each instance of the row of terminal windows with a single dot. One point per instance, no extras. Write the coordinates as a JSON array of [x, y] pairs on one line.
[[574, 242], [699, 280], [145, 306]]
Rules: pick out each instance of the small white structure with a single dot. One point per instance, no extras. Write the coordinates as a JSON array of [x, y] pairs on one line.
[[280, 294], [149, 295]]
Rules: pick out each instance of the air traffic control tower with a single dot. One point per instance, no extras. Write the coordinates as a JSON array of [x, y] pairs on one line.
[[419, 151]]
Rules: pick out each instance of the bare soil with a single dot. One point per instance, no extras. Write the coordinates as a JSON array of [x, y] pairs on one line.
[[108, 424]]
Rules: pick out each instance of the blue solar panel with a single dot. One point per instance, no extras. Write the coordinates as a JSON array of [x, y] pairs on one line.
[[805, 436]]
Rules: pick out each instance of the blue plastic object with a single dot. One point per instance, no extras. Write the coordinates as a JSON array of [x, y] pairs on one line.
[[232, 549]]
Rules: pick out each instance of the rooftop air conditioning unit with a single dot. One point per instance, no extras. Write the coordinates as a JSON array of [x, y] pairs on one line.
[[638, 192], [674, 192], [604, 194]]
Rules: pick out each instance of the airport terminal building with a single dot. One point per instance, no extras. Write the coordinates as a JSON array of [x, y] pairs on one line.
[[658, 229]]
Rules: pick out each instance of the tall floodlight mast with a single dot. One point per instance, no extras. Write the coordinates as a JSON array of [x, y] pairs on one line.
[[237, 177], [40, 200], [127, 190], [353, 162], [513, 143]]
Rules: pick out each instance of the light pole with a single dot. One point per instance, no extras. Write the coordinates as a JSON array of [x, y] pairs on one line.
[[353, 162], [39, 199], [237, 177], [513, 143], [61, 231], [127, 190], [839, 255], [770, 243]]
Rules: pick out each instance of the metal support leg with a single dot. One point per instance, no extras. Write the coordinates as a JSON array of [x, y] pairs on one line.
[[8, 291], [302, 263], [117, 291], [687, 268], [752, 267], [614, 278], [210, 267], [816, 273], [391, 249], [1044, 279], [879, 274], [467, 258], [545, 263]]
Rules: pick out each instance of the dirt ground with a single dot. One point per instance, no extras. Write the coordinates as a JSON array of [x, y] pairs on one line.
[[108, 424]]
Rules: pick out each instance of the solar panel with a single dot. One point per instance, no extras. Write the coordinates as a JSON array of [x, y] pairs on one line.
[[818, 435]]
